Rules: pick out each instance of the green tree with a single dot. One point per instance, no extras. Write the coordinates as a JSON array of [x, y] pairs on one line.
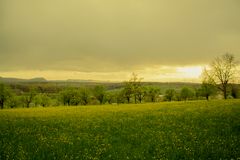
[[70, 96], [153, 93], [207, 90], [177, 96], [235, 91], [42, 99], [208, 85], [120, 97], [65, 96], [169, 94], [140, 93], [136, 86], [75, 98], [28, 97], [84, 95], [127, 91], [110, 97], [4, 94], [99, 93], [133, 87], [186, 93], [13, 101]]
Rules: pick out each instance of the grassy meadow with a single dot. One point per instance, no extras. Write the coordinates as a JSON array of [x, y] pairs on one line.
[[167, 130]]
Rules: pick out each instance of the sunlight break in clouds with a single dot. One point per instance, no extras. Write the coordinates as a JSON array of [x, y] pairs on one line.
[[190, 72]]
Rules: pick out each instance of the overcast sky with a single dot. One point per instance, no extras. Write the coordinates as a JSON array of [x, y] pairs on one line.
[[109, 39]]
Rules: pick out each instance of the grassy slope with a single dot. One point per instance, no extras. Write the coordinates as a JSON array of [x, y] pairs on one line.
[[177, 130]]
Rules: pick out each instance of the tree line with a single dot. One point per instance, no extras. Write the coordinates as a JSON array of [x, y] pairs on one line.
[[218, 79]]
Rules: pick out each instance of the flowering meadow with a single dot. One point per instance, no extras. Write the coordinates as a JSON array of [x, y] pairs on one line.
[[166, 130]]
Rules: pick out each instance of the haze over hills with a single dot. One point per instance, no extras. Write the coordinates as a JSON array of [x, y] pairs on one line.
[[77, 82], [109, 85], [42, 79], [37, 79]]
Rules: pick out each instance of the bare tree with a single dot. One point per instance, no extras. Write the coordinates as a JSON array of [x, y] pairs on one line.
[[223, 72]]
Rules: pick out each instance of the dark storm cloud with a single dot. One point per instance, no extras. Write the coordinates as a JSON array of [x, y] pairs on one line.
[[114, 35]]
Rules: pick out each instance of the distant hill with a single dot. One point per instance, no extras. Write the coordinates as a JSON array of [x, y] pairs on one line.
[[38, 79], [82, 80], [41, 79], [15, 80]]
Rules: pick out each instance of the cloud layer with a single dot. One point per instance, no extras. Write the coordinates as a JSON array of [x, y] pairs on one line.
[[115, 36]]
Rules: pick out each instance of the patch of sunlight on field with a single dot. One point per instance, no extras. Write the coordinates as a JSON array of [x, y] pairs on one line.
[[168, 130]]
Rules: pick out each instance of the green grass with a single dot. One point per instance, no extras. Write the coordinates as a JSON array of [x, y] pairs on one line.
[[168, 130]]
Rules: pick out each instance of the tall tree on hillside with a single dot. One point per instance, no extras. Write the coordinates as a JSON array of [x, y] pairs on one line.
[[223, 71]]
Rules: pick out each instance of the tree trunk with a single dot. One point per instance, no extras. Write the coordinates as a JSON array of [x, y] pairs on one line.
[[128, 99], [1, 104], [140, 99], [28, 104], [152, 99], [225, 93]]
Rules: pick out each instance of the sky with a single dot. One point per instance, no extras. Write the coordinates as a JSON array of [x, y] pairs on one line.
[[160, 40]]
